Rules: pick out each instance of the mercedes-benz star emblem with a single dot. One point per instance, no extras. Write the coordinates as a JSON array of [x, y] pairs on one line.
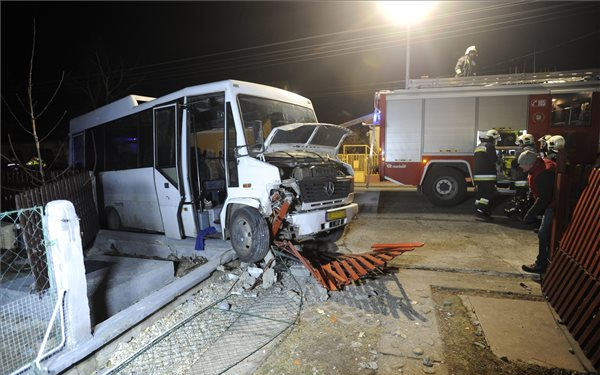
[[329, 188]]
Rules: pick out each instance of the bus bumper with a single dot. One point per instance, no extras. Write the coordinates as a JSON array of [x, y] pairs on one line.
[[313, 222]]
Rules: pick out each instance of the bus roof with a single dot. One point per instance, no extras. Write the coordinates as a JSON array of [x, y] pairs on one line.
[[135, 103]]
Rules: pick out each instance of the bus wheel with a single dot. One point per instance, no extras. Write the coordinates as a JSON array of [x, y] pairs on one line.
[[445, 187], [332, 236], [113, 220], [250, 236]]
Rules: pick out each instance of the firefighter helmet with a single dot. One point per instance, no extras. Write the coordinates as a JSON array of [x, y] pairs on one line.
[[525, 140], [471, 49], [492, 134], [556, 142], [545, 138]]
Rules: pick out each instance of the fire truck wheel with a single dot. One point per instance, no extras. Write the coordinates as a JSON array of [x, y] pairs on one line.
[[113, 220], [445, 187], [332, 236], [250, 235]]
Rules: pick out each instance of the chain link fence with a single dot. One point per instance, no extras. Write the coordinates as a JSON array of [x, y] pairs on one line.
[[218, 337], [31, 323]]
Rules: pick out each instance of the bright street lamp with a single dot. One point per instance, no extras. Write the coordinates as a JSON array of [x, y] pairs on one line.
[[406, 13]]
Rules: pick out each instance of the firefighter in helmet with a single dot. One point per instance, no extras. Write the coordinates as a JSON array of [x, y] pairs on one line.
[[525, 142], [465, 66], [544, 145], [485, 174], [521, 201], [555, 143]]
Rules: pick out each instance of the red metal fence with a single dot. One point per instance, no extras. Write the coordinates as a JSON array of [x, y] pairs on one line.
[[572, 283]]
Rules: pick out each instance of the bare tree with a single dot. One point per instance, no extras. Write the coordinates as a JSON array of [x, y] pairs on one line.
[[107, 83], [30, 107]]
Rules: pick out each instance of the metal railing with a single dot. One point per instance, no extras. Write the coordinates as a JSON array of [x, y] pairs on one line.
[[506, 79], [358, 157]]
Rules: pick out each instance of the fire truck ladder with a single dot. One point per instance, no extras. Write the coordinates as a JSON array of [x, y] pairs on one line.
[[506, 79], [336, 270]]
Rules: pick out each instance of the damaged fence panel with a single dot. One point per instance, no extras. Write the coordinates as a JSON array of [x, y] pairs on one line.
[[336, 270]]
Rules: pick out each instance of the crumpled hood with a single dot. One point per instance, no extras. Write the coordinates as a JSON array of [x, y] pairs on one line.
[[316, 137]]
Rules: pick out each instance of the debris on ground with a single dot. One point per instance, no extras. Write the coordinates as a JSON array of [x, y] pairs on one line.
[[336, 270], [185, 265]]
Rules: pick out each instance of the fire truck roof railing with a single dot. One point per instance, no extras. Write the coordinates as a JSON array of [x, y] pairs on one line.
[[507, 79]]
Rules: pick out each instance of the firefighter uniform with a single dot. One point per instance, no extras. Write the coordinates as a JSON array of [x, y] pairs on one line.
[[485, 176], [465, 66]]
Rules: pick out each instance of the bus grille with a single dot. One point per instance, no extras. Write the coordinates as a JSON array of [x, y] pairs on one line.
[[317, 190]]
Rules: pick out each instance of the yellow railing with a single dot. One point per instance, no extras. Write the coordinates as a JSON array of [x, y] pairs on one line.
[[360, 164]]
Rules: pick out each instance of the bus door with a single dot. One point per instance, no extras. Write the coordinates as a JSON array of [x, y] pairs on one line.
[[166, 169]]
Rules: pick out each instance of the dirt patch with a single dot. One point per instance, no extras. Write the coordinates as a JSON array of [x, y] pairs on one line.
[[465, 348], [324, 343]]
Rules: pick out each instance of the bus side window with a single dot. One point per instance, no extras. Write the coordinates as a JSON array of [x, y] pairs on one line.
[[146, 142], [78, 151], [231, 143]]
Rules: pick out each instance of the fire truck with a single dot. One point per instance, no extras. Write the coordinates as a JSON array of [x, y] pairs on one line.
[[427, 132]]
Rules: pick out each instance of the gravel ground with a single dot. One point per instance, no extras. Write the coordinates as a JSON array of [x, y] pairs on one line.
[[230, 316]]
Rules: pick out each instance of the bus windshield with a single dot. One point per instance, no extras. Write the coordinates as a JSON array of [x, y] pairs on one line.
[[260, 116]]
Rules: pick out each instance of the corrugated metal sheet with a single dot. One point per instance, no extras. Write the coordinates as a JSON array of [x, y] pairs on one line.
[[572, 283]]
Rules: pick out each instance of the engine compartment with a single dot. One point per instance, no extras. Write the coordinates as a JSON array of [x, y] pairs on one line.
[[309, 182]]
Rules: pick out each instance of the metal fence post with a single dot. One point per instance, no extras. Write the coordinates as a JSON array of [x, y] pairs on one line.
[[65, 254]]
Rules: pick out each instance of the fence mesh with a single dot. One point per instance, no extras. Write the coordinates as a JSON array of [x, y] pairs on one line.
[[27, 293], [218, 337]]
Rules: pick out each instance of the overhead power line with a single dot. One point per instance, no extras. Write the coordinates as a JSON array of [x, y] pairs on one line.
[[362, 44], [360, 40]]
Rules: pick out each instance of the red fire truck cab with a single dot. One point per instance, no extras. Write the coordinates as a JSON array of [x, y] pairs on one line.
[[428, 131]]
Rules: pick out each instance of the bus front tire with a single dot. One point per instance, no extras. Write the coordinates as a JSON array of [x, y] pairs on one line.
[[445, 187], [250, 235], [333, 235]]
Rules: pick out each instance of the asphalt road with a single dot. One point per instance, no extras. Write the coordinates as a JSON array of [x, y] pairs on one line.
[[454, 239]]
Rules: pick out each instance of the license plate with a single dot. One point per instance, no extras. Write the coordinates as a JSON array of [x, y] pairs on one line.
[[336, 215]]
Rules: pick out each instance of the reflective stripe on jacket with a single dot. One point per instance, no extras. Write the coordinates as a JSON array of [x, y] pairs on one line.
[[485, 162]]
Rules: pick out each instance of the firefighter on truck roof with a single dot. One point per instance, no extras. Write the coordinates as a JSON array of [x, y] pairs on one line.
[[465, 66], [485, 175]]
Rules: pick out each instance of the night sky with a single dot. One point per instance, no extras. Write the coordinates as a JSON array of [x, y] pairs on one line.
[[336, 53]]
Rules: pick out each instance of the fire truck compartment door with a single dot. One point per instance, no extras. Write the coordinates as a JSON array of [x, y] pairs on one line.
[[404, 125], [502, 112], [449, 125]]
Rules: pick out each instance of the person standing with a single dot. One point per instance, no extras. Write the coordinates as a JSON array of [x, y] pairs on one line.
[[541, 178], [520, 202], [485, 174], [465, 66]]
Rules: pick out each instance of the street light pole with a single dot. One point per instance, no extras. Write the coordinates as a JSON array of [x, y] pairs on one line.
[[407, 13], [407, 76]]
